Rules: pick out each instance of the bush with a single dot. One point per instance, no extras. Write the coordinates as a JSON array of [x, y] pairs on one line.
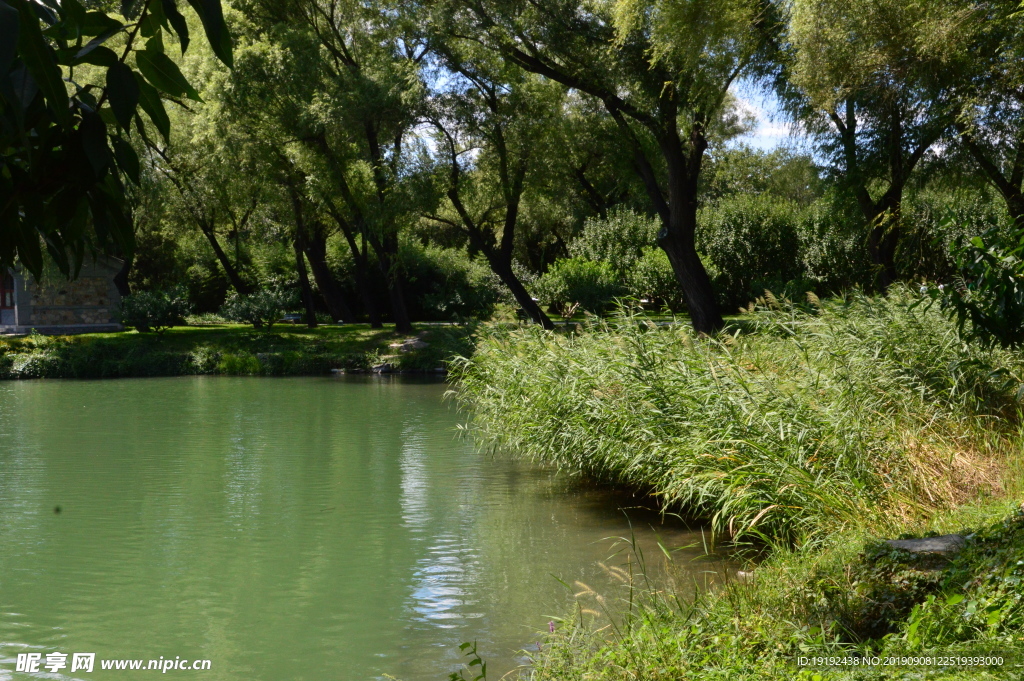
[[620, 239], [263, 308], [988, 301], [445, 285], [651, 278], [207, 286], [833, 249], [154, 310], [752, 242], [936, 222], [575, 281]]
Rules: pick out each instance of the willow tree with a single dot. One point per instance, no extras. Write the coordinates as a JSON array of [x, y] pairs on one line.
[[340, 80], [986, 75], [660, 68], [867, 82], [491, 120]]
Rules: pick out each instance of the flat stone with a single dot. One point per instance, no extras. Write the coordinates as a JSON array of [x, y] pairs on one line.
[[415, 344], [944, 545], [409, 345]]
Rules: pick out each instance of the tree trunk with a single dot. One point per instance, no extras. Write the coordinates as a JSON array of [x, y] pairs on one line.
[[121, 278], [1015, 207], [1008, 185], [883, 218], [679, 230], [882, 242], [386, 261], [363, 286], [315, 247], [396, 294], [692, 278], [522, 296], [359, 262], [501, 264], [307, 290], [229, 269]]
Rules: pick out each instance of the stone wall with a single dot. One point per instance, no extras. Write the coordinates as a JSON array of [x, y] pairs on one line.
[[59, 306], [85, 300]]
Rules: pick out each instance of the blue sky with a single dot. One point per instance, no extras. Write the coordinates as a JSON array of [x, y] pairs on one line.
[[772, 129]]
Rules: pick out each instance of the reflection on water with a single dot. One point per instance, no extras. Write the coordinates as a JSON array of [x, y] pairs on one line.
[[287, 529]]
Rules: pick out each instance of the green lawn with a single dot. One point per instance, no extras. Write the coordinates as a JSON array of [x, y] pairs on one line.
[[228, 349]]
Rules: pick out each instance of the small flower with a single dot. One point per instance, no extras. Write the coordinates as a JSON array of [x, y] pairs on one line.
[[942, 287], [924, 289], [551, 627]]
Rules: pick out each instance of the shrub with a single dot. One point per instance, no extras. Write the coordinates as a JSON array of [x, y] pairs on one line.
[[833, 249], [207, 286], [988, 302], [936, 223], [447, 286], [620, 239], [262, 308], [154, 310], [651, 278], [752, 241], [571, 281]]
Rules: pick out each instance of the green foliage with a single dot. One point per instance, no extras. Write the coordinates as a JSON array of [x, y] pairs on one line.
[[752, 243], [651, 278], [207, 286], [64, 154], [620, 239], [154, 310], [470, 650], [988, 303], [783, 173], [937, 220], [261, 309], [625, 242], [832, 248], [789, 431], [224, 350], [572, 282], [978, 598], [449, 286], [813, 604]]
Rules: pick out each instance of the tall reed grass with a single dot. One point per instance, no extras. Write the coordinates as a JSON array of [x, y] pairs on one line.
[[799, 420]]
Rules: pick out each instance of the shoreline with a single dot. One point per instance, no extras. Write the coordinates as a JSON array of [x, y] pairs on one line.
[[235, 350]]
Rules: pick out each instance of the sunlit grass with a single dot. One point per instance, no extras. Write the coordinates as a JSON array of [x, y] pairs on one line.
[[224, 349], [798, 422]]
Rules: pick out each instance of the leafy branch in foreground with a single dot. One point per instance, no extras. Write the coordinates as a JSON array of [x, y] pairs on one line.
[[987, 301], [65, 143]]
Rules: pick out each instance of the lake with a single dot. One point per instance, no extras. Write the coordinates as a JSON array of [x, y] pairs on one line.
[[289, 529]]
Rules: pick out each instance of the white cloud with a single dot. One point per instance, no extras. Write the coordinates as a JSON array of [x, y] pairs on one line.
[[772, 129]]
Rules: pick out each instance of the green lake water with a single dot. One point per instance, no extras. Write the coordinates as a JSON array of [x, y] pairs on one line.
[[287, 529]]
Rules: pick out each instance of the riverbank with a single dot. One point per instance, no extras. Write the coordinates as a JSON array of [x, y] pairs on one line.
[[228, 349], [876, 612], [811, 430]]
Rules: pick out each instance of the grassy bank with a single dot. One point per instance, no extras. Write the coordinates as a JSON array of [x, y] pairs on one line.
[[814, 430], [851, 597], [799, 423], [229, 350]]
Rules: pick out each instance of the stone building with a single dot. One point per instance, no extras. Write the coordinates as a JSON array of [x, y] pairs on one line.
[[86, 305]]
